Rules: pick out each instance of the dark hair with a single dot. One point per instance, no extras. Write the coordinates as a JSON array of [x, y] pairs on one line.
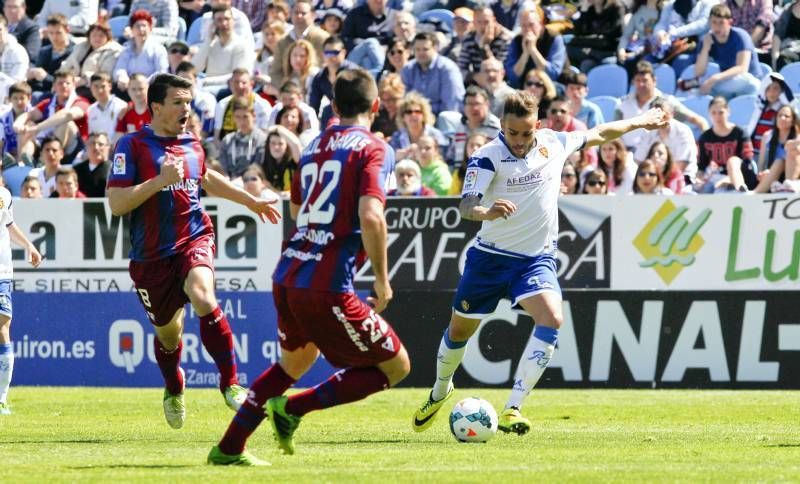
[[670, 163], [570, 77], [291, 87], [100, 77], [333, 40], [644, 67], [97, 134], [58, 19], [286, 109], [21, 87], [102, 27], [64, 73], [275, 169], [50, 138], [66, 171], [642, 165], [354, 92], [474, 90], [773, 139], [220, 8], [138, 15], [720, 11], [618, 168], [597, 173], [571, 164], [186, 66], [427, 36], [521, 104], [718, 100], [157, 92]]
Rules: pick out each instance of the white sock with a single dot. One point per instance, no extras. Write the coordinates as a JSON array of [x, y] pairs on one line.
[[447, 362], [532, 364], [6, 368]]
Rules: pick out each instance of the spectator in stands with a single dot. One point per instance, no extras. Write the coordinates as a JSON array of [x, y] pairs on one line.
[[97, 55], [303, 28], [409, 181], [80, 14], [404, 27], [292, 96], [491, 78], [719, 147], [322, 84], [774, 93], [637, 34], [489, 39], [673, 177], [685, 19], [786, 41], [23, 28], [107, 108], [435, 172], [137, 113], [50, 58], [476, 118], [415, 121], [254, 182], [638, 101], [11, 144], [222, 52], [676, 135], [597, 32], [165, 17], [559, 117], [398, 55], [291, 118], [64, 114], [618, 166], [756, 18], [390, 91], [93, 172], [462, 27], [569, 179], [210, 147], [50, 155], [244, 145], [280, 160], [772, 158], [580, 107], [301, 65], [475, 141], [240, 27], [507, 12], [14, 60], [365, 27], [271, 34], [732, 49], [649, 180], [538, 83], [142, 54], [241, 86], [596, 183], [31, 187], [332, 21], [178, 52], [203, 103], [279, 11], [535, 47], [67, 184], [434, 76]]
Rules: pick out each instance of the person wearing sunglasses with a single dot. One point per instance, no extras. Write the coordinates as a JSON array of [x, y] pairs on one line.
[[560, 118], [649, 180], [334, 61], [255, 183], [177, 53], [538, 83], [415, 121], [569, 179], [398, 53], [596, 183]]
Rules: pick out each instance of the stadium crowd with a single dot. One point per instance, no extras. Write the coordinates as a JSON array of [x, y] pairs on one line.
[[74, 77]]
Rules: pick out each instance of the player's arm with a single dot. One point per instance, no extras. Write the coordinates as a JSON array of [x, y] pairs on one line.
[[652, 119], [19, 238], [471, 209], [374, 234], [217, 185], [479, 175], [125, 199]]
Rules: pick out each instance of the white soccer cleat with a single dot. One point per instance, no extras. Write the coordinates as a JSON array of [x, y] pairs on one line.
[[235, 395], [174, 408]]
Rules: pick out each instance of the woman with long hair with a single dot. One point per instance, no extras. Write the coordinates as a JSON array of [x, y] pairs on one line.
[[301, 65], [569, 179], [772, 157], [649, 180], [538, 83], [271, 35], [390, 91], [596, 183], [670, 173], [280, 159], [619, 168], [398, 53]]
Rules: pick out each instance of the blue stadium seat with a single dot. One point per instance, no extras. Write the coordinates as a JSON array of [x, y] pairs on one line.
[[665, 78], [741, 108], [791, 72], [607, 80], [698, 104], [13, 177], [688, 73], [765, 68], [607, 104], [440, 14], [117, 25], [194, 36], [182, 29]]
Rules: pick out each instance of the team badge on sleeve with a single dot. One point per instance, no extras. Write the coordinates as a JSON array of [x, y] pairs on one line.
[[118, 167], [470, 177], [543, 151]]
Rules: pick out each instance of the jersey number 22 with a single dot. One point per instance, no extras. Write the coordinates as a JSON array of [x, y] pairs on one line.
[[318, 211]]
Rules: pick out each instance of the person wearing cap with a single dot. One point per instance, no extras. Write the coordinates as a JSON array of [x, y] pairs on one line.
[[434, 76], [462, 26], [332, 21], [178, 53], [731, 48], [98, 54], [165, 17], [80, 14], [142, 54], [582, 109], [773, 94]]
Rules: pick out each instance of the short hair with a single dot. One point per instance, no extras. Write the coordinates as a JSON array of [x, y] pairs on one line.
[[63, 73], [51, 138], [157, 92], [102, 27], [138, 15], [240, 71], [333, 40], [97, 134], [644, 67], [407, 164], [474, 90], [67, 171], [138, 76], [21, 87], [100, 77], [238, 103], [186, 66], [427, 36], [291, 87], [354, 91], [521, 104], [29, 179], [721, 11], [578, 78], [58, 20], [220, 8]]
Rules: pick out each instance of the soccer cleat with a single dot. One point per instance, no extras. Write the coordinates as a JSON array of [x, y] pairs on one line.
[[513, 421], [217, 458], [5, 409], [174, 408], [235, 396], [424, 416], [283, 424]]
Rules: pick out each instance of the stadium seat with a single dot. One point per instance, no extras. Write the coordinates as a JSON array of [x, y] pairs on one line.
[[607, 104], [117, 25], [607, 80], [13, 177], [182, 29], [698, 104], [741, 108], [448, 121], [711, 69], [765, 68], [791, 72], [665, 78], [440, 14], [194, 36]]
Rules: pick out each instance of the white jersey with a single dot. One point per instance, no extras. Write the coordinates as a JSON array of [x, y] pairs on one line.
[[532, 184], [6, 219]]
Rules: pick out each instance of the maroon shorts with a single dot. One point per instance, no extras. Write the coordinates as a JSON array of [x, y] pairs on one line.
[[344, 328], [159, 283]]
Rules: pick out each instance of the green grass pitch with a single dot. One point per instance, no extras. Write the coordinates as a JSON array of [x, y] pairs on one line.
[[106, 435]]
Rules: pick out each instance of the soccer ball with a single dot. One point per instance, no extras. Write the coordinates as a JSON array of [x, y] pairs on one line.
[[473, 420]]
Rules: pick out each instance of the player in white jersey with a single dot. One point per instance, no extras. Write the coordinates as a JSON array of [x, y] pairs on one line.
[[512, 185], [9, 232]]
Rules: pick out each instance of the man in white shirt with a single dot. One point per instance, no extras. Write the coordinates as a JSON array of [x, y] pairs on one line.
[[14, 60], [222, 52], [51, 155], [241, 24], [104, 112], [80, 13], [676, 135]]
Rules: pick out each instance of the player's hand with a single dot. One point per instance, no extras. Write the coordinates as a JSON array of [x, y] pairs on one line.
[[265, 209], [500, 208], [653, 119], [171, 172], [383, 294], [35, 258]]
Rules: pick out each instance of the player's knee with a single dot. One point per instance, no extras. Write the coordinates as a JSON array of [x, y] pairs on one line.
[[556, 320], [202, 297]]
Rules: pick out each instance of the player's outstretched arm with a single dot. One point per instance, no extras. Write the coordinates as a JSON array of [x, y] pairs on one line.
[[34, 258], [217, 185], [652, 119], [374, 235], [124, 199]]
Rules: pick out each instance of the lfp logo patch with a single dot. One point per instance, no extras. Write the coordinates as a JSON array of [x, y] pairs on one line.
[[118, 167], [669, 242]]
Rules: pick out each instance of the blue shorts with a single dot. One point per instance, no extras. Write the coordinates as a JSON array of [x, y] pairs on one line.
[[490, 277], [5, 297]]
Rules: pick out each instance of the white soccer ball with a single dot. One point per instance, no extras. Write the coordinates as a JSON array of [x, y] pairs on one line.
[[473, 420]]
